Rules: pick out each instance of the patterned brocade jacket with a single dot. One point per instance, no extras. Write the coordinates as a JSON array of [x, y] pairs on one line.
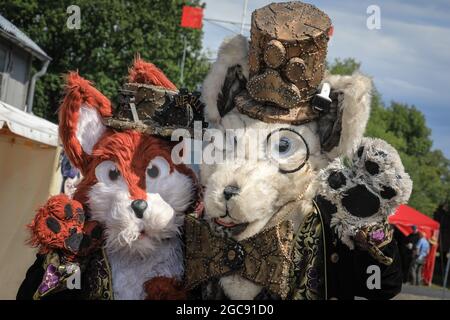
[[323, 268], [45, 279]]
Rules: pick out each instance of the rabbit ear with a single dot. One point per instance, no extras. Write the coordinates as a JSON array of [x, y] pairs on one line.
[[342, 129], [227, 77], [80, 119]]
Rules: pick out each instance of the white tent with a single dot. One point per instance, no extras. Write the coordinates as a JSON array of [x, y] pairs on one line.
[[29, 174]]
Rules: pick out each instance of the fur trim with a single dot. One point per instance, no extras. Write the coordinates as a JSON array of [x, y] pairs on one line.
[[357, 90], [233, 51], [148, 73], [131, 274], [238, 288], [163, 288]]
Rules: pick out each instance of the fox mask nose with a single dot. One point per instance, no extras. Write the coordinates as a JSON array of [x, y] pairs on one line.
[[139, 207]]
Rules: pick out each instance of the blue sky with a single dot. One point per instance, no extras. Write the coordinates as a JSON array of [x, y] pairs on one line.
[[409, 57]]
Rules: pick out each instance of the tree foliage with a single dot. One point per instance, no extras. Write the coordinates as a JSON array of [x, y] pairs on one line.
[[343, 67], [404, 127], [111, 33]]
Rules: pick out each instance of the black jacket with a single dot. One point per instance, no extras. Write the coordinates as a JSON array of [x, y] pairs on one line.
[[349, 271], [96, 282]]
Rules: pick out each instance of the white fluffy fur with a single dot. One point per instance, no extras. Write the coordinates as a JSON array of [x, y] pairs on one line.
[[264, 190], [233, 51], [238, 288], [391, 174], [90, 128], [357, 91], [130, 272], [140, 249]]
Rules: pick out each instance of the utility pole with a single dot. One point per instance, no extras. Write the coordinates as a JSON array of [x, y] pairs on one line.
[[244, 13], [191, 17], [183, 60]]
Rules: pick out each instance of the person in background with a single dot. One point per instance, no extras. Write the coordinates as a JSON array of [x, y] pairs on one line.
[[409, 254], [422, 249], [71, 176]]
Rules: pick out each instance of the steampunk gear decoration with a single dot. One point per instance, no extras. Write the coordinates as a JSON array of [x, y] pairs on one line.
[[234, 257], [156, 110], [263, 259], [287, 55]]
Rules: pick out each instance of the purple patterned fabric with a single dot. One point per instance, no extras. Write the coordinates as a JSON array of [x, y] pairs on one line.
[[51, 279], [377, 235]]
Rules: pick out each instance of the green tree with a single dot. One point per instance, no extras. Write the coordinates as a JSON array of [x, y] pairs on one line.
[[404, 127], [343, 67], [110, 35]]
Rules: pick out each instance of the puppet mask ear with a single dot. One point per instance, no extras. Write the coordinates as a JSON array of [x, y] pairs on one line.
[[342, 129], [80, 119], [147, 73], [227, 77]]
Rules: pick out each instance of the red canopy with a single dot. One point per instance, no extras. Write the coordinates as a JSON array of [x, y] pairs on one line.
[[404, 218]]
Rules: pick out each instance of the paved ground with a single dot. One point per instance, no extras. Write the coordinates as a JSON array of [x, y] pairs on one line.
[[421, 293]]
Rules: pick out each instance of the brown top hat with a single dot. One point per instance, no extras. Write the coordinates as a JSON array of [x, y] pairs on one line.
[[288, 48], [150, 103]]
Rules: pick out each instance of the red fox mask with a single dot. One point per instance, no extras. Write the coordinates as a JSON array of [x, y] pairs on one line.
[[130, 185]]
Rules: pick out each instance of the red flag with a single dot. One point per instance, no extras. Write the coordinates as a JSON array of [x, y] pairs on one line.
[[192, 17]]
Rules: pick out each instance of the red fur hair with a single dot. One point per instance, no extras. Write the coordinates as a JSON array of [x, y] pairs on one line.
[[130, 150], [148, 73], [78, 92], [164, 288], [38, 228]]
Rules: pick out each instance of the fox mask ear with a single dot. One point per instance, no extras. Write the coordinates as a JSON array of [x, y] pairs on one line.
[[147, 73], [80, 119]]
